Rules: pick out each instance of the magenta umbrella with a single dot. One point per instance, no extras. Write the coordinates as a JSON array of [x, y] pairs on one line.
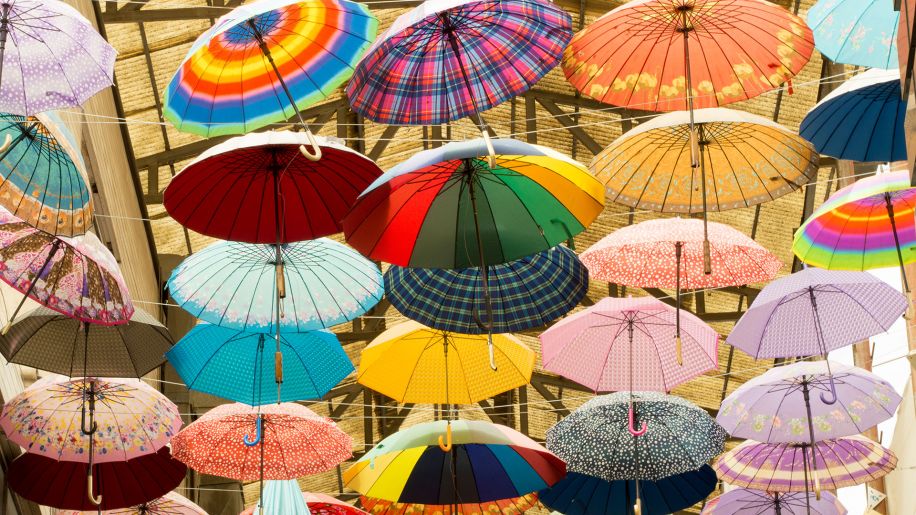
[[757, 502]]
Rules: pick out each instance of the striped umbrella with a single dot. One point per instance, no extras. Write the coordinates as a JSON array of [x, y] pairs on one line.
[[756, 502], [514, 506], [856, 32]]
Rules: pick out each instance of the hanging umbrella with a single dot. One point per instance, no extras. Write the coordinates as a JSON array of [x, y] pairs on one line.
[[486, 462], [280, 498], [868, 224], [526, 293], [581, 494], [664, 55], [78, 277], [46, 340], [756, 502], [51, 57], [438, 367], [630, 344], [121, 484], [209, 359], [862, 120], [316, 503], [258, 188], [169, 504], [514, 506], [231, 79], [856, 32], [785, 467], [43, 176]]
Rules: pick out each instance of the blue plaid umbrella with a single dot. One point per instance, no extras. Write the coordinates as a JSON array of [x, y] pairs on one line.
[[209, 359], [526, 293]]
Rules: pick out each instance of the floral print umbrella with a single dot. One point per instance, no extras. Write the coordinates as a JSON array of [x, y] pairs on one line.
[[169, 504], [130, 419], [856, 32]]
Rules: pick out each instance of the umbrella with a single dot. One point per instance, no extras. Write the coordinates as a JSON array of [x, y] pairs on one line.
[[756, 502], [581, 494], [514, 506], [78, 277], [862, 120], [47, 340], [209, 359], [258, 188], [280, 498], [486, 462], [629, 344], [63, 484], [785, 467], [639, 55], [43, 175], [856, 32], [447, 59], [442, 368], [868, 224], [595, 439], [51, 57], [169, 504], [526, 293], [315, 503], [225, 84]]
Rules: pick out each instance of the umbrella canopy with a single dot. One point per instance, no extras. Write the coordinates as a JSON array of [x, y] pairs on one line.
[[121, 484], [815, 311], [231, 78], [526, 293], [290, 441], [78, 277], [745, 160], [52, 57], [259, 188], [280, 498], [47, 340], [43, 175], [209, 359], [776, 406], [437, 367], [856, 32], [131, 419], [581, 494], [630, 344], [169, 504], [234, 285], [756, 502], [316, 503], [447, 59], [421, 213], [862, 120], [784, 467], [487, 462], [514, 506], [656, 55], [678, 437]]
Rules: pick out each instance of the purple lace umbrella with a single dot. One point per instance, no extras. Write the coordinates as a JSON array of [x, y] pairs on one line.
[[816, 311], [754, 502]]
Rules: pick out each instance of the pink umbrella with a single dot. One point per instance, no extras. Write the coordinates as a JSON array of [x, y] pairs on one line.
[[169, 504]]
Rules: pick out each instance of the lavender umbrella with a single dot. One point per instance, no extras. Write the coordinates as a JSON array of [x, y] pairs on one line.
[[754, 502]]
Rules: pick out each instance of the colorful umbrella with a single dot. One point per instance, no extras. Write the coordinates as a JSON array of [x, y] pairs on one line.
[[515, 506], [47, 340], [868, 224], [438, 367], [756, 502], [785, 467], [43, 175], [225, 84], [856, 32], [630, 344], [51, 57], [78, 277], [677, 437], [169, 504], [258, 188], [485, 462], [209, 359], [316, 504], [581, 494], [862, 120], [669, 55], [526, 293], [63, 484]]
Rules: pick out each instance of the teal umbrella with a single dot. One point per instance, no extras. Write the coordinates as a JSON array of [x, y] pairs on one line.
[[857, 32], [282, 498]]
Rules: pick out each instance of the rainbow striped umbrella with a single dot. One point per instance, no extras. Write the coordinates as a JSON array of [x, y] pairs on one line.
[[868, 224]]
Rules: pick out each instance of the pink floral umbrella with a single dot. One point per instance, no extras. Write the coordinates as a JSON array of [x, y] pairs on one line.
[[169, 504]]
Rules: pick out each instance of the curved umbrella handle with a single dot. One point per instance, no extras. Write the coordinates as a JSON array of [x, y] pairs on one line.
[[829, 400], [632, 425], [316, 153], [257, 435], [92, 498], [446, 446], [7, 143]]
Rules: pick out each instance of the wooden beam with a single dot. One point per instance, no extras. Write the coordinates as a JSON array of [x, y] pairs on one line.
[[566, 120], [122, 15]]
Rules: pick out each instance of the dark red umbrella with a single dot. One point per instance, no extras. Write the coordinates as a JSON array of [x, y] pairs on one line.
[[63, 484]]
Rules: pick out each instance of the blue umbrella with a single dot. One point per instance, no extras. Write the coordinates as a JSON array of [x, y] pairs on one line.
[[282, 498], [857, 32], [581, 494], [862, 120], [234, 365]]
